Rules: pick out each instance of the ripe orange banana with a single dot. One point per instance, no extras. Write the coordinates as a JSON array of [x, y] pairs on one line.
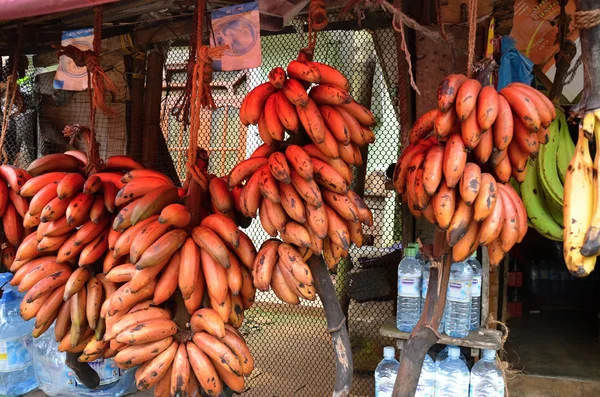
[[292, 203], [94, 249], [292, 260], [209, 241], [336, 123], [189, 266], [15, 177], [363, 115], [175, 215], [148, 332], [338, 164], [223, 308], [132, 319], [470, 183], [32, 186], [544, 107], [299, 161], [295, 92], [218, 351], [92, 185], [146, 237], [460, 222], [94, 302], [265, 262], [364, 213], [27, 249], [55, 209], [527, 141], [162, 249], [26, 267], [492, 225], [78, 209], [305, 71], [137, 188], [123, 243], [286, 112], [423, 126], [125, 298], [156, 369], [466, 98], [89, 231], [486, 198], [39, 272], [448, 89], [49, 310], [123, 219], [487, 107], [154, 202], [255, 101], [281, 288], [204, 370], [69, 185], [216, 277], [279, 167], [276, 213], [220, 196], [308, 190], [509, 192], [444, 123], [52, 244], [272, 121], [208, 320], [336, 228], [76, 281], [326, 176], [330, 75], [4, 193], [132, 356], [277, 77], [523, 107], [39, 201], [265, 221], [326, 94], [433, 169], [12, 225], [455, 158], [467, 244], [246, 252], [311, 120], [244, 170], [305, 291], [268, 184], [234, 274]]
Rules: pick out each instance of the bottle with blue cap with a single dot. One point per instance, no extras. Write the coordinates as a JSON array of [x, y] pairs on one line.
[[408, 309], [17, 376]]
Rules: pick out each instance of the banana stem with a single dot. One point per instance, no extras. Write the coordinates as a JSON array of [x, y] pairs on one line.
[[425, 334], [336, 325], [84, 373]]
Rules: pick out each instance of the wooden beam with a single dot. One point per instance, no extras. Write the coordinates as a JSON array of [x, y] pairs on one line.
[[136, 116], [152, 99]]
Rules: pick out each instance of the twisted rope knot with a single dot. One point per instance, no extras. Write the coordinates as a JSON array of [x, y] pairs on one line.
[[586, 19]]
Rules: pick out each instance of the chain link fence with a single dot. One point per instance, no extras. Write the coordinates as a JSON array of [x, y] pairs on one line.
[[291, 346]]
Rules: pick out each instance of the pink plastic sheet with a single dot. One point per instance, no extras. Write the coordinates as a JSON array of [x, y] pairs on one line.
[[17, 9]]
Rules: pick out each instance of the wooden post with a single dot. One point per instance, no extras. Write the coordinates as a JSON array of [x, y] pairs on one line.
[[138, 77], [425, 333], [336, 325], [152, 98], [590, 54]]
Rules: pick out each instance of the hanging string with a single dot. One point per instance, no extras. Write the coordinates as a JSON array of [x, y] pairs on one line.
[[201, 96], [317, 20], [472, 19], [12, 94], [440, 19]]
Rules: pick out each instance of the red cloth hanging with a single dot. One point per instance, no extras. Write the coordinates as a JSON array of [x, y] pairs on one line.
[[17, 9]]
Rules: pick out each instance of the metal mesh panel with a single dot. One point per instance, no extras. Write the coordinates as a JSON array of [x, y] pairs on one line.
[[19, 141], [292, 348]]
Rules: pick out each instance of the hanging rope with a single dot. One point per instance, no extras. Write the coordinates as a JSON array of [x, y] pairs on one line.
[[440, 19], [317, 20], [472, 18], [12, 94], [201, 96], [586, 19]]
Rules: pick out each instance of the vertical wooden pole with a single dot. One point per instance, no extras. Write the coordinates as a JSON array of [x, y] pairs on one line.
[[138, 78], [152, 99], [425, 333]]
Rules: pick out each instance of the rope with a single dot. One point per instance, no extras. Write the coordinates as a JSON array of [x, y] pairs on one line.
[[201, 96], [129, 48], [317, 20], [472, 17], [12, 94], [440, 19], [504, 366], [586, 19], [399, 27]]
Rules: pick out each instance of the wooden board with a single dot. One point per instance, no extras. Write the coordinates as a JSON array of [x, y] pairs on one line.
[[479, 339]]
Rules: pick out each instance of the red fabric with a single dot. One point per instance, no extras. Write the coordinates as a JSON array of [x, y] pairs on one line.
[[17, 9]]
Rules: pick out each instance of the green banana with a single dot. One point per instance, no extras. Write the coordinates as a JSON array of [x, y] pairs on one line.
[[556, 214], [515, 184], [538, 214], [566, 148], [547, 169]]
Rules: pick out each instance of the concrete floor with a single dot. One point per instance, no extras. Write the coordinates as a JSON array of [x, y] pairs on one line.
[[562, 344]]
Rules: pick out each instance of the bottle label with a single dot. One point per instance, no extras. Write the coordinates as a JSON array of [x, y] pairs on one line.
[[476, 287], [107, 371], [459, 291], [425, 390], [409, 286], [15, 353]]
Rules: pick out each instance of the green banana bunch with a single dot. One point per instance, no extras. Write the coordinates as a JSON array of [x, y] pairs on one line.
[[566, 147], [548, 171], [532, 194]]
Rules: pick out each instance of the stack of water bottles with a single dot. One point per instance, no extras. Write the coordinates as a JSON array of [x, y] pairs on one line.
[[448, 376], [463, 299]]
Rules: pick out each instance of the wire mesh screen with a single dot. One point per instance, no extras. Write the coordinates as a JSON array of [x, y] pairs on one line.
[[19, 144], [292, 348], [291, 345]]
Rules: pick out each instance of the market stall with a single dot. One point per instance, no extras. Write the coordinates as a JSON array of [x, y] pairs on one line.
[[178, 179]]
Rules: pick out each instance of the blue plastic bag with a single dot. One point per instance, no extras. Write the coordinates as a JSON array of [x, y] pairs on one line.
[[514, 66]]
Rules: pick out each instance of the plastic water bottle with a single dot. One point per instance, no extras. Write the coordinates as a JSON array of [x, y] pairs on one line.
[[385, 373], [475, 291], [486, 378], [56, 379], [426, 385], [16, 364], [452, 376], [409, 291], [458, 300], [424, 287], [443, 354]]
